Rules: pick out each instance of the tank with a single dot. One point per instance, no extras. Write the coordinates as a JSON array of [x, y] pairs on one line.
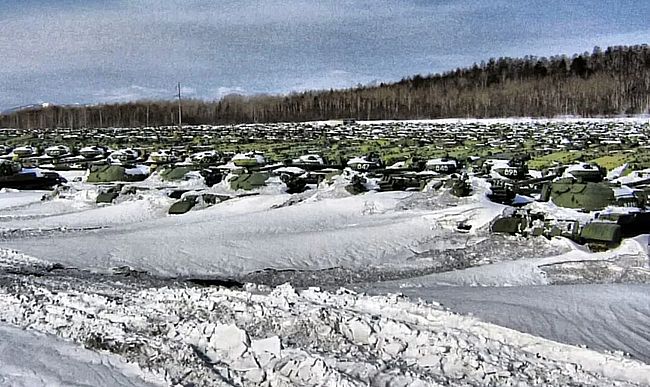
[[587, 196], [124, 156], [163, 156], [293, 177], [112, 173], [57, 151], [206, 158], [247, 180], [513, 169], [365, 163], [12, 175], [92, 152], [585, 172], [175, 173], [443, 165], [250, 159], [609, 234]]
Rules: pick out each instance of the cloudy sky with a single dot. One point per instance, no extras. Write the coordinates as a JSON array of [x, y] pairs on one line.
[[88, 51]]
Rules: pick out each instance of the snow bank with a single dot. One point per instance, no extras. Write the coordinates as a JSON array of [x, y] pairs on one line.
[[209, 336], [241, 235], [29, 358]]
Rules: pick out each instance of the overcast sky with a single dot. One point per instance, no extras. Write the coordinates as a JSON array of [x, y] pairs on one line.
[[88, 51]]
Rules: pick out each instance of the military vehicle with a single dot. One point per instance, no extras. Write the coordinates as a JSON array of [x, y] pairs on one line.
[[57, 151], [510, 178], [365, 163], [585, 172], [445, 165], [12, 175], [189, 201], [212, 175], [23, 152], [459, 185], [403, 182], [293, 177], [175, 172], [573, 193], [312, 159], [246, 180], [597, 234], [357, 184], [513, 169], [249, 160], [162, 156], [108, 195], [207, 158], [123, 156], [92, 152], [115, 173]]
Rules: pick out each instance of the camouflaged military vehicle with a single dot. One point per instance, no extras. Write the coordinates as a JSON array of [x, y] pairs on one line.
[[513, 169], [208, 158], [13, 175]]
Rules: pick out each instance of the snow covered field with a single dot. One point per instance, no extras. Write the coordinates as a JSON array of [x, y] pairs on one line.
[[57, 275]]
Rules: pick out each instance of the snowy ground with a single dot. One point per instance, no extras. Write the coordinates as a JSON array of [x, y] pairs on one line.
[[605, 317], [384, 243], [29, 358], [211, 336]]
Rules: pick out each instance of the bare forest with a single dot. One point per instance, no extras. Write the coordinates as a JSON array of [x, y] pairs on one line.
[[605, 82]]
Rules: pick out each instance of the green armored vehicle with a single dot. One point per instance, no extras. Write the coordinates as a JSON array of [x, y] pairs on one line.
[[247, 180], [588, 196], [113, 173], [597, 234], [175, 173]]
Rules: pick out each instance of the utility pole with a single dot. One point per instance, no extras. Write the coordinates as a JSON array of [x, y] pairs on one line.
[[180, 122]]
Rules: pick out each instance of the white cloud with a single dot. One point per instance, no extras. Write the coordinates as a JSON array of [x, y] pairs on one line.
[[98, 50]]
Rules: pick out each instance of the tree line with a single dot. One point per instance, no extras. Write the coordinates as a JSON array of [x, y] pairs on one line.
[[604, 82]]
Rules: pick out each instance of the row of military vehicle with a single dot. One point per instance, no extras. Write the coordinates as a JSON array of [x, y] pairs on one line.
[[581, 186], [618, 204]]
